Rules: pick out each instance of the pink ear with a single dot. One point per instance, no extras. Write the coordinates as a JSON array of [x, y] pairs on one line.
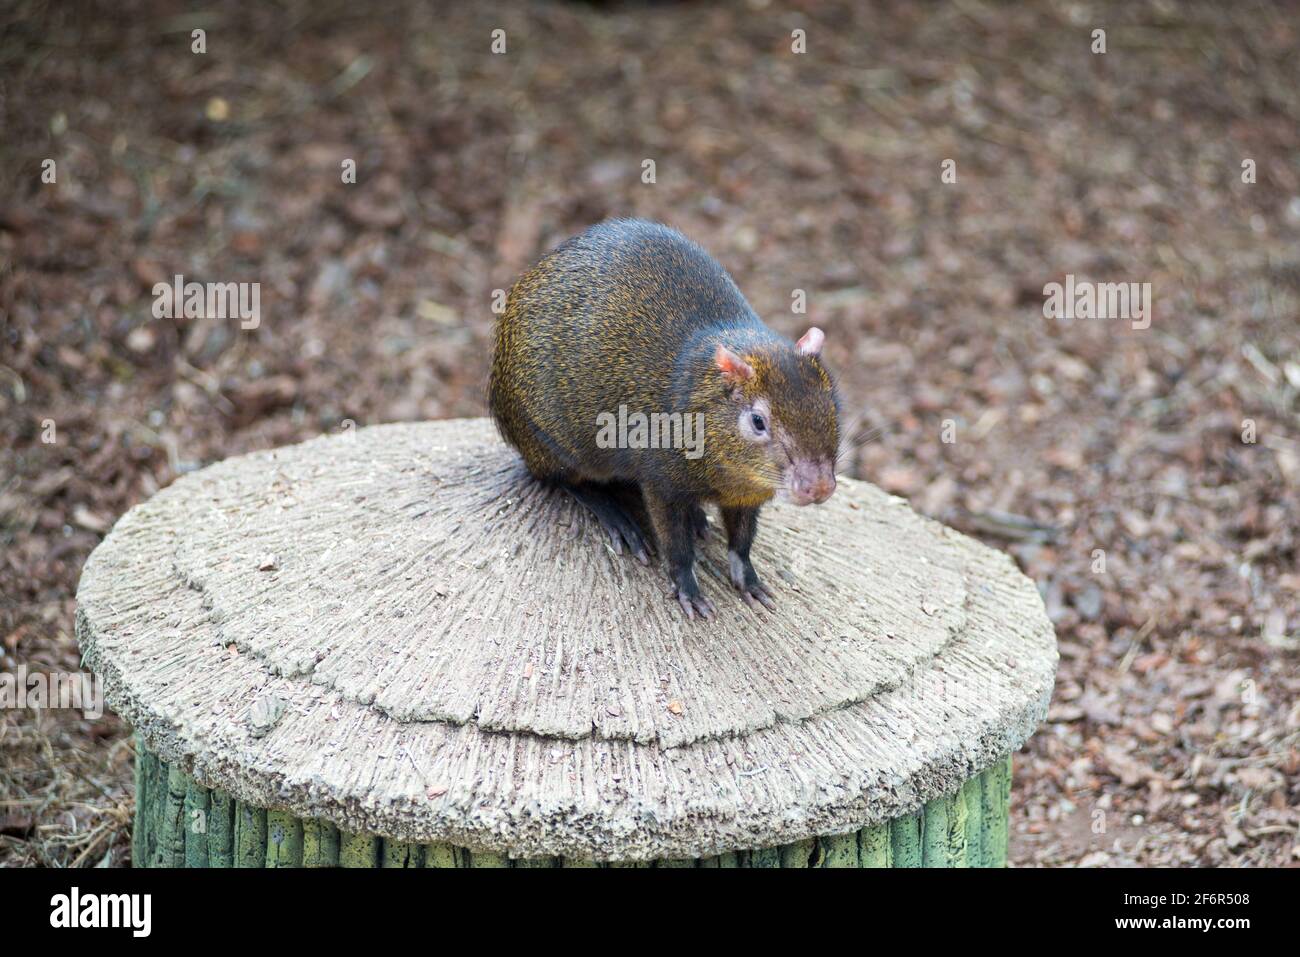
[[732, 367], [811, 343]]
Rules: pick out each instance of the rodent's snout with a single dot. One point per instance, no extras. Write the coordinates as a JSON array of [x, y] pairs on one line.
[[811, 483]]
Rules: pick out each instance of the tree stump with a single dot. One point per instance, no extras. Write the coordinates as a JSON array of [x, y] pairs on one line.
[[394, 648]]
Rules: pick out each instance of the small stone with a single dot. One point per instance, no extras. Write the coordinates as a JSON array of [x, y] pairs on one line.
[[1064, 713], [745, 238], [268, 564], [87, 519], [437, 313], [675, 707], [141, 339], [265, 713]]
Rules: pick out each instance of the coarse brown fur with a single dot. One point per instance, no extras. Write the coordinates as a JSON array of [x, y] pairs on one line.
[[631, 313]]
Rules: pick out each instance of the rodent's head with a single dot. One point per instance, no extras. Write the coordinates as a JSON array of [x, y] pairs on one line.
[[783, 417]]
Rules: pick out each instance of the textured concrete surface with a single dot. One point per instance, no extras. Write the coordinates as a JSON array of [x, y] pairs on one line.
[[399, 632]]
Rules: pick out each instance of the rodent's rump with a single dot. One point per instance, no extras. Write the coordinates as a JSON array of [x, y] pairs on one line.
[[601, 322], [632, 318]]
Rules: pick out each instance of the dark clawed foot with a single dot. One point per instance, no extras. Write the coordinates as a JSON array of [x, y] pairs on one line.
[[695, 604], [614, 519], [625, 532], [757, 594], [745, 581]]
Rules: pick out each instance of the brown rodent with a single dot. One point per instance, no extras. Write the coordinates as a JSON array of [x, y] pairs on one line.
[[632, 317]]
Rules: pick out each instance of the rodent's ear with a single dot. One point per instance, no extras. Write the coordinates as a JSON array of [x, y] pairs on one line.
[[733, 368], [811, 343]]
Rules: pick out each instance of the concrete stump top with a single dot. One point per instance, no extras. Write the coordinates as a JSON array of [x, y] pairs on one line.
[[399, 631]]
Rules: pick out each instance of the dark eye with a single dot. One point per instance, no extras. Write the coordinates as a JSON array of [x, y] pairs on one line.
[[758, 422]]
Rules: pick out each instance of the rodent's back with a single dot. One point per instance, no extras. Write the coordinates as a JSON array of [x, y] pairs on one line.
[[602, 321]]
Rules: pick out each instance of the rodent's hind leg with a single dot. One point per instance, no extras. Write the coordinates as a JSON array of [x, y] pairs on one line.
[[742, 526], [699, 521], [604, 505], [674, 525]]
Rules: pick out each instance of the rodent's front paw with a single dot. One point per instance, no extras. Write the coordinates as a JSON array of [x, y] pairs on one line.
[[695, 603], [745, 581], [756, 594]]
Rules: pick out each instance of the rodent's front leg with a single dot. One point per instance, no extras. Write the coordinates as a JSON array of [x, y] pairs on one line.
[[675, 529], [742, 526]]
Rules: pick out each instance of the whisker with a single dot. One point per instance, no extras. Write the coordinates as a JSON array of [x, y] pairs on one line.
[[856, 441], [866, 436]]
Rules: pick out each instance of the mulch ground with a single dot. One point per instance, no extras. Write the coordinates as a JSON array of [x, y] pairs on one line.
[[1145, 478]]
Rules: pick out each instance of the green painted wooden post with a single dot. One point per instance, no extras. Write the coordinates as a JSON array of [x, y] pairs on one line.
[[181, 823], [799, 853], [905, 840], [944, 838], [996, 791], [154, 809], [284, 840], [358, 850], [172, 839], [196, 826], [221, 829], [765, 857], [839, 850], [139, 850], [444, 855], [970, 795], [400, 854], [250, 836], [320, 844], [875, 848]]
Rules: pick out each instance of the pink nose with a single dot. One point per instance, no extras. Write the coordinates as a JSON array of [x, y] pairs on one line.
[[812, 485], [824, 489]]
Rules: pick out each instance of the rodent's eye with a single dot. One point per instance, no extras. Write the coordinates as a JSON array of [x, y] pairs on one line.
[[758, 422]]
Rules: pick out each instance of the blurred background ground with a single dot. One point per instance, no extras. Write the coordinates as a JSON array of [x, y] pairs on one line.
[[1172, 737]]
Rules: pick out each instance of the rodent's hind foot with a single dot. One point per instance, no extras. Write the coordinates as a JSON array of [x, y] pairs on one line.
[[621, 528], [694, 604]]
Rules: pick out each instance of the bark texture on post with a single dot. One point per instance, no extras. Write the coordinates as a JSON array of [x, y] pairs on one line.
[[393, 648]]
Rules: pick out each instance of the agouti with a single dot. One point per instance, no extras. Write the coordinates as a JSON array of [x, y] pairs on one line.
[[632, 322]]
